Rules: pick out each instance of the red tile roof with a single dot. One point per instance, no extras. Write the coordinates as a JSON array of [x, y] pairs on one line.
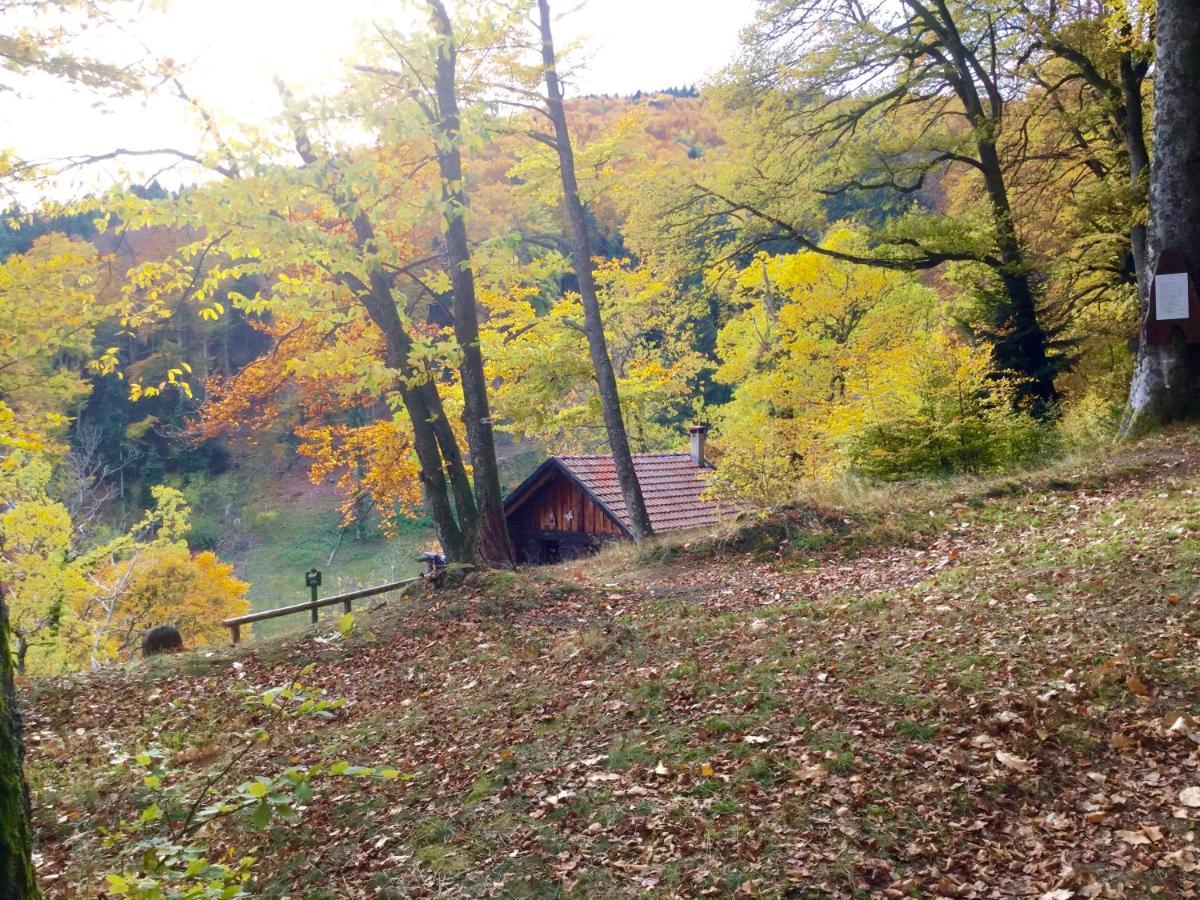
[[671, 485]]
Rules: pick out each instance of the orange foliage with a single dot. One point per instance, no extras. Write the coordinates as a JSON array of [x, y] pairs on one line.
[[372, 462]]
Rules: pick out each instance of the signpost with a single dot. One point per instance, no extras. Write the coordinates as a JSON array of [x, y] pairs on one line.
[[312, 578]]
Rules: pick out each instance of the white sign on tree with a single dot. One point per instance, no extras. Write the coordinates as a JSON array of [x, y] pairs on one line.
[[1171, 296]]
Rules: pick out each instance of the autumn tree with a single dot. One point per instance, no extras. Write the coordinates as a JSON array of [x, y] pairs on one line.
[[539, 361], [593, 323], [1088, 66], [338, 240], [1165, 378], [849, 108], [436, 94]]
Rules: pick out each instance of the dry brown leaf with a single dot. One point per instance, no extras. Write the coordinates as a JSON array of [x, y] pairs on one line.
[[1133, 837], [1190, 796], [1121, 741], [1137, 686], [1012, 761]]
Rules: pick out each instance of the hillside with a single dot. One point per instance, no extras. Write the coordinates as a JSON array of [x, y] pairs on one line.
[[983, 689]]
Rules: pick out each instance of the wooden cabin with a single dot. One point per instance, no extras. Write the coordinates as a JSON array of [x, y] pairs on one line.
[[572, 505]]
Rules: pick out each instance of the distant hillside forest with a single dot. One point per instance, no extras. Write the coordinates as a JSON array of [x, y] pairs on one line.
[[410, 290]]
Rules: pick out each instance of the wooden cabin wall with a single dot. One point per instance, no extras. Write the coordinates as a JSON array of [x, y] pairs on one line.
[[547, 510], [543, 517]]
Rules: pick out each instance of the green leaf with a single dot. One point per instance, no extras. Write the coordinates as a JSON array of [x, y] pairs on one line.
[[339, 768], [118, 884], [151, 813], [346, 624], [262, 815], [153, 782], [387, 773], [256, 789], [196, 866]]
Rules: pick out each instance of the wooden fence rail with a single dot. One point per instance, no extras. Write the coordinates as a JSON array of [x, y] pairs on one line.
[[235, 624]]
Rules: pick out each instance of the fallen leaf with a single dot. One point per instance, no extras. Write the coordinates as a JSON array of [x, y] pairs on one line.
[[815, 773], [1137, 686], [1120, 741], [1190, 796], [1014, 762], [1133, 837]]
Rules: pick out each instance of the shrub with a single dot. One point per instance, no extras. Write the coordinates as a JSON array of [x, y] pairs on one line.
[[932, 409], [1090, 421]]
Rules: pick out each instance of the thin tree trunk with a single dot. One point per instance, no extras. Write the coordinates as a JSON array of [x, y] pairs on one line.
[[16, 834], [606, 381], [492, 544], [1133, 121], [460, 484], [1164, 386]]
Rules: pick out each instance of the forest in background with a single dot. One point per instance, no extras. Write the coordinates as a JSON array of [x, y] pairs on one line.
[[861, 254]]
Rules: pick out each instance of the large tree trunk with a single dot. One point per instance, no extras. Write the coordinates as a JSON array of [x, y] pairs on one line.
[[433, 438], [492, 544], [1023, 349], [606, 380], [16, 835], [1164, 386]]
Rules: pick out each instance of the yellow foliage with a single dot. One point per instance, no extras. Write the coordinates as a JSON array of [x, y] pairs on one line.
[[837, 366], [373, 461], [70, 607], [166, 584], [538, 358]]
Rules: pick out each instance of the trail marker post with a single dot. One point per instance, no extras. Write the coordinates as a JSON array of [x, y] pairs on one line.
[[312, 578]]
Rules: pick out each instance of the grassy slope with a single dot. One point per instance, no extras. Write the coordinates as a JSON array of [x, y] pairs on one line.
[[278, 526], [973, 691]]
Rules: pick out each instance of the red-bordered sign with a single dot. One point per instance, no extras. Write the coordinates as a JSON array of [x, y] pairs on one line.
[[1174, 303]]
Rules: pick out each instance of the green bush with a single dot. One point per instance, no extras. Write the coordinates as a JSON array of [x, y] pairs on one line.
[[935, 409], [989, 440]]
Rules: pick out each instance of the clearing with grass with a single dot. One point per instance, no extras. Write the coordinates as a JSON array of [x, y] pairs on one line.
[[986, 688]]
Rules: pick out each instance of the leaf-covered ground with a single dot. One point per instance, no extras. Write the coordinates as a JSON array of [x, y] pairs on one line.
[[979, 691]]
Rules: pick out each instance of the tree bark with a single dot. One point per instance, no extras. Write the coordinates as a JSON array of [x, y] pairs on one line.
[[1164, 386], [1023, 348], [492, 544], [1132, 119], [606, 381], [16, 834]]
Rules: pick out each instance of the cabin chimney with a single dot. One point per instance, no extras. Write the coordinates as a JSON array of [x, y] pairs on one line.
[[698, 432]]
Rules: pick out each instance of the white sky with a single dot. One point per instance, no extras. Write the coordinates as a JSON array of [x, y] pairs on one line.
[[235, 48]]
